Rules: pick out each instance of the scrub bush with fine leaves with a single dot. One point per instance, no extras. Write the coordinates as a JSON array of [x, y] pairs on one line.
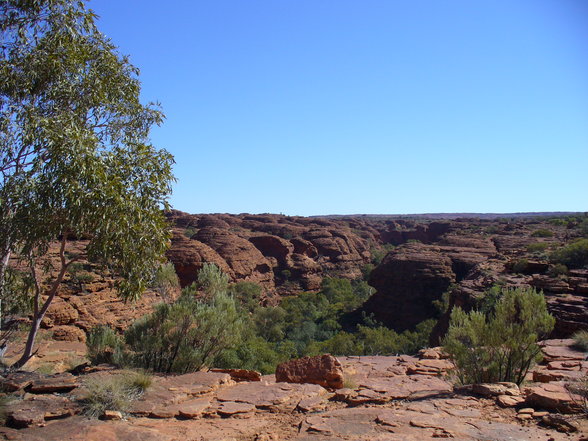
[[501, 345]]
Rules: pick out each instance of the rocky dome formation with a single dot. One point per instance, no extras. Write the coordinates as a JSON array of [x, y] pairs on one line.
[[407, 281], [288, 255], [285, 255]]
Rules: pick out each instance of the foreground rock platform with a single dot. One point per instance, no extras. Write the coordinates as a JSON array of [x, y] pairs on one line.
[[385, 398]]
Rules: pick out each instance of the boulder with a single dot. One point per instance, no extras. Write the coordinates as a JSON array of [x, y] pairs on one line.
[[324, 370], [496, 389], [553, 396]]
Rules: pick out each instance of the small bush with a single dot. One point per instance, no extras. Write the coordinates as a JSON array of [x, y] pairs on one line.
[[574, 255], [349, 382], [581, 340], [115, 392], [189, 232], [184, 336], [212, 280], [519, 266], [166, 282], [537, 247], [246, 294], [579, 393], [558, 270], [542, 233], [104, 346], [501, 346]]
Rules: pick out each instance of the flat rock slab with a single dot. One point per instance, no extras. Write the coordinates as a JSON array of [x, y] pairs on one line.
[[278, 395], [406, 387], [38, 409], [231, 408], [193, 408], [378, 366], [55, 383], [162, 399], [84, 429], [561, 350], [363, 424], [17, 381], [551, 396]]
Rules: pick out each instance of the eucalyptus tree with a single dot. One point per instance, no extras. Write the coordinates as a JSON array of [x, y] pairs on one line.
[[75, 155]]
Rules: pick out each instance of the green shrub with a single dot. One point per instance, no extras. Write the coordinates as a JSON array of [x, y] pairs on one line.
[[184, 336], [503, 345], [189, 232], [378, 254], [115, 392], [574, 255], [558, 222], [537, 247], [581, 340], [557, 270], [366, 270], [165, 281], [542, 232], [519, 266], [140, 380], [104, 345], [212, 280], [247, 294]]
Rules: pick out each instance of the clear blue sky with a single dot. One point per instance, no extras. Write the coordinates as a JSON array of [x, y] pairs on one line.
[[337, 106]]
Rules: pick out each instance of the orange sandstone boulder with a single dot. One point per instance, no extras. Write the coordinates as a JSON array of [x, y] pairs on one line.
[[324, 370]]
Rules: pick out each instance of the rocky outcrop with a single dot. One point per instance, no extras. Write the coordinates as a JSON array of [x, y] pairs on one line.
[[285, 255], [384, 400], [324, 370], [407, 281]]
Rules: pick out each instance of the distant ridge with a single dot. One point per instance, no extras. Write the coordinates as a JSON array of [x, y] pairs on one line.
[[455, 215]]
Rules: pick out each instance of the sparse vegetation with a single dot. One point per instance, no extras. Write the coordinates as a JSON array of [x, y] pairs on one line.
[[579, 393], [104, 345], [500, 346], [542, 232], [574, 255], [79, 276], [165, 281], [558, 270], [212, 280], [113, 392], [581, 340], [520, 266], [537, 247]]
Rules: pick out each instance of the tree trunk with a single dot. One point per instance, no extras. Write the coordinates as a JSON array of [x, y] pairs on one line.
[[39, 314]]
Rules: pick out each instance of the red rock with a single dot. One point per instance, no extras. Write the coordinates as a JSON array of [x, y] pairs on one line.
[[18, 381], [407, 281], [509, 401], [230, 408], [37, 409], [111, 415], [561, 350], [551, 396], [324, 370], [240, 374], [68, 333], [496, 389], [60, 313], [56, 383]]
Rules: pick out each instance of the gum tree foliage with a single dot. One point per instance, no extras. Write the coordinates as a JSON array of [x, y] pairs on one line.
[[500, 346], [75, 156]]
